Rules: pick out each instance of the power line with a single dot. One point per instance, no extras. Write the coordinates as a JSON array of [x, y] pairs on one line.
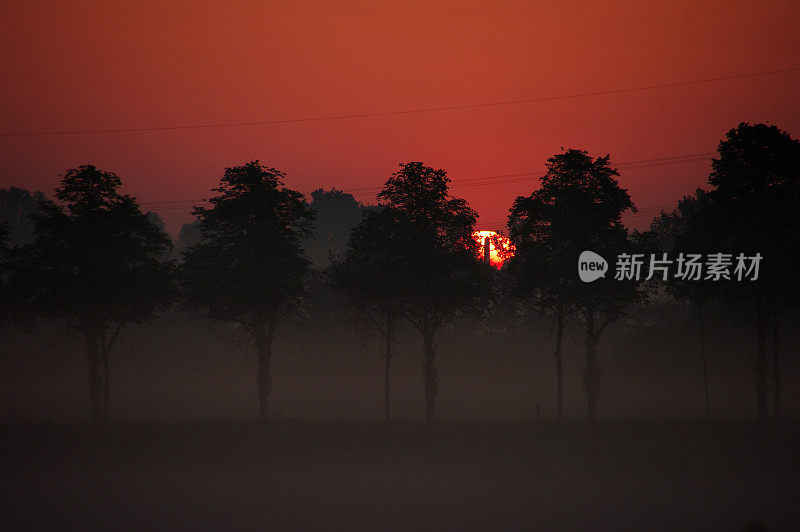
[[406, 111], [529, 176], [473, 181], [541, 174], [652, 211], [674, 159]]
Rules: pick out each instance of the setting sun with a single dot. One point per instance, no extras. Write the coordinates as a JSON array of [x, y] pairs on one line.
[[500, 247]]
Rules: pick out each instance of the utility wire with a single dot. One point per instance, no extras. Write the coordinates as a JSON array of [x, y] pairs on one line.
[[471, 181], [406, 111]]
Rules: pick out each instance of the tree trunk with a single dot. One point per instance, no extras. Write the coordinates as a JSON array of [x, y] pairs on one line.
[[431, 376], [776, 362], [95, 380], [591, 373], [264, 352], [559, 365], [760, 368], [387, 400], [703, 355], [106, 386]]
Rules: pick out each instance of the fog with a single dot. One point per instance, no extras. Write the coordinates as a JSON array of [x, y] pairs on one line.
[[183, 367]]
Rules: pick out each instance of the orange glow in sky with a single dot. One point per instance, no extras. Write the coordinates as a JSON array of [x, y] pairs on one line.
[[500, 247], [78, 65]]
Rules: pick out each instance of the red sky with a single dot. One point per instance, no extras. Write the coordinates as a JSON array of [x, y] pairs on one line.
[[110, 65]]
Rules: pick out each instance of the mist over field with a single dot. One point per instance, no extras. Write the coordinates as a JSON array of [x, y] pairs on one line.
[[179, 368], [184, 450]]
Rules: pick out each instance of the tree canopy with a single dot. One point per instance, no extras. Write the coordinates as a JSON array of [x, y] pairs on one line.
[[577, 208], [749, 211], [249, 264], [96, 262], [434, 255], [336, 214], [433, 241]]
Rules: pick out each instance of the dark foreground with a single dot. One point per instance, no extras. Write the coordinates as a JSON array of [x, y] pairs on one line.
[[632, 475]]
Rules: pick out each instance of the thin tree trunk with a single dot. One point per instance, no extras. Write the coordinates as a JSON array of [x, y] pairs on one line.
[[760, 369], [776, 362], [431, 376], [591, 373], [106, 386], [387, 400], [703, 354], [264, 352], [95, 380], [559, 365]]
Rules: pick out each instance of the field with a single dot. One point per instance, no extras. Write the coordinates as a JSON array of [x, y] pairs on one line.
[[618, 475]]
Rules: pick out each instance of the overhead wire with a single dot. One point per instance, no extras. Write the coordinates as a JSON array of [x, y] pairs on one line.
[[602, 92]]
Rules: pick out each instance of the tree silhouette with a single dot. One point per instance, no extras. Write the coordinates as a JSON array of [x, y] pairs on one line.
[[5, 239], [188, 236], [437, 255], [687, 229], [5, 271], [578, 207], [17, 205], [374, 282], [757, 194], [249, 266], [96, 262], [752, 209], [337, 213], [542, 268]]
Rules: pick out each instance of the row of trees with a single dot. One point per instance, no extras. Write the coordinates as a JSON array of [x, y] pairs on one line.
[[751, 207], [98, 263]]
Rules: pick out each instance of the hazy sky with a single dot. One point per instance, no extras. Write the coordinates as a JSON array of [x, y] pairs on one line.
[[112, 65]]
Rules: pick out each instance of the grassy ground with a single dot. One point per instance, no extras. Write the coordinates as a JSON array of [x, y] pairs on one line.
[[631, 475]]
